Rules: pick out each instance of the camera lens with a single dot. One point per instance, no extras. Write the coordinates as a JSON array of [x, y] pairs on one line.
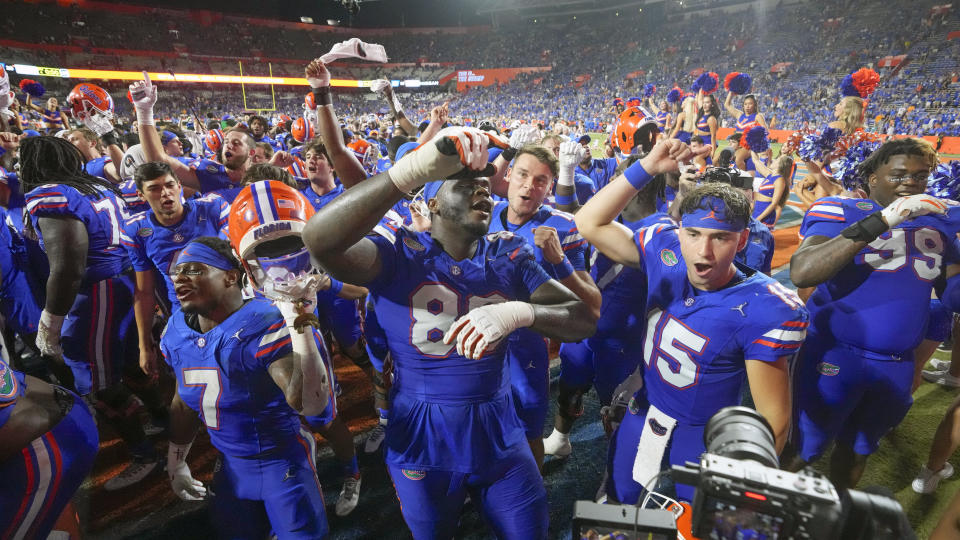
[[741, 433]]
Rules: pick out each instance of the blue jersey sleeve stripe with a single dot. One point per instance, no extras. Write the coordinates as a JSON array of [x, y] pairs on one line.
[[572, 246], [263, 352]]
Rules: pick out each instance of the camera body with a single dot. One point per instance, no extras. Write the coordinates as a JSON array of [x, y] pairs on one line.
[[736, 496], [727, 175]]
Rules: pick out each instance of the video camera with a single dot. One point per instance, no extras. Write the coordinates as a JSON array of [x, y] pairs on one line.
[[741, 493]]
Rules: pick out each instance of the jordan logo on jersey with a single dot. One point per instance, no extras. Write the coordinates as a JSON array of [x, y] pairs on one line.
[[740, 309], [237, 334]]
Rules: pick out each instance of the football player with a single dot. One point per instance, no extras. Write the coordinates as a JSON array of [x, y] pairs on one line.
[[245, 370], [709, 322], [154, 238], [869, 259], [561, 251], [89, 292], [446, 300], [608, 357]]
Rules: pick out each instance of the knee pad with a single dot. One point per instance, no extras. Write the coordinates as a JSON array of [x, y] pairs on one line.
[[570, 401]]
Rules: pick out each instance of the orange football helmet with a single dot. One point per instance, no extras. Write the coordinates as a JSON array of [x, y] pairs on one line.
[[92, 106], [635, 128], [302, 130], [265, 223]]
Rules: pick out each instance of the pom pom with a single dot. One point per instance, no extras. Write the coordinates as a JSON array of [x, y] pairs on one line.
[[649, 89], [618, 101], [945, 181], [793, 142], [32, 88], [860, 83], [814, 147], [845, 170], [737, 83], [756, 139], [675, 95], [707, 82], [865, 80], [634, 101]]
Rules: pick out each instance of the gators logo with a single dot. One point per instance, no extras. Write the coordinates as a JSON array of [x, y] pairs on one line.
[[656, 427], [828, 369], [413, 244], [414, 475], [506, 235], [633, 406], [864, 205], [146, 231], [668, 257], [8, 383]]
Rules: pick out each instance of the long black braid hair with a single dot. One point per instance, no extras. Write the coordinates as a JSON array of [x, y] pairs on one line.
[[52, 160]]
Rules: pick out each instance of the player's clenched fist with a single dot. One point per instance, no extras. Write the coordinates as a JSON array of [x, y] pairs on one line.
[[484, 327], [454, 151]]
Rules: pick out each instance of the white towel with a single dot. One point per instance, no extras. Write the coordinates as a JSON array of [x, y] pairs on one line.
[[354, 48], [651, 447]]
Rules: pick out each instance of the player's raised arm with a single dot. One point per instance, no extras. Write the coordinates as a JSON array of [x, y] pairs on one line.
[[728, 106], [596, 221], [335, 234], [349, 169], [144, 95]]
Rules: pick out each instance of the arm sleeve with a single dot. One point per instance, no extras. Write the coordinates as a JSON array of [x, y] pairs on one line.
[[275, 342], [574, 247], [826, 217]]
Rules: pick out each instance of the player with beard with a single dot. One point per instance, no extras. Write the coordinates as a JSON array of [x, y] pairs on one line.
[[206, 176], [446, 300], [561, 251]]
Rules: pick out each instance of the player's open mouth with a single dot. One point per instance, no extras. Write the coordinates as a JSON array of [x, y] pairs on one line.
[[702, 268], [227, 154], [183, 292], [484, 206]]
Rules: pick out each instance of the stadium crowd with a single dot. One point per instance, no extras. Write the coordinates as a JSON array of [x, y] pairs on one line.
[[161, 240]]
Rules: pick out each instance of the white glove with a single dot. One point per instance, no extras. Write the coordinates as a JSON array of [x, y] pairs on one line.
[[48, 335], [451, 150], [285, 292], [524, 135], [910, 207], [484, 327], [383, 87], [144, 95], [183, 483], [571, 154]]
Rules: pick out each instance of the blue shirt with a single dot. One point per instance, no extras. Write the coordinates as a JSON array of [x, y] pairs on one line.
[[449, 412], [101, 215], [213, 178], [758, 253], [152, 246], [697, 342], [222, 375], [887, 285], [600, 171]]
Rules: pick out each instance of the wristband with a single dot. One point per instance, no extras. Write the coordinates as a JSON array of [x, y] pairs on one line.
[[110, 138], [564, 199], [637, 176], [562, 269], [51, 321], [335, 286], [867, 229], [321, 96], [145, 117], [509, 153]]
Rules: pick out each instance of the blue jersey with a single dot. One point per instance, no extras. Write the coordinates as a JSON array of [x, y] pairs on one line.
[[697, 342], [758, 253], [101, 215], [131, 197], [383, 164], [624, 293], [601, 171], [887, 284], [17, 201], [95, 166], [574, 246], [152, 246], [213, 178], [12, 386], [222, 375], [319, 201], [449, 412]]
